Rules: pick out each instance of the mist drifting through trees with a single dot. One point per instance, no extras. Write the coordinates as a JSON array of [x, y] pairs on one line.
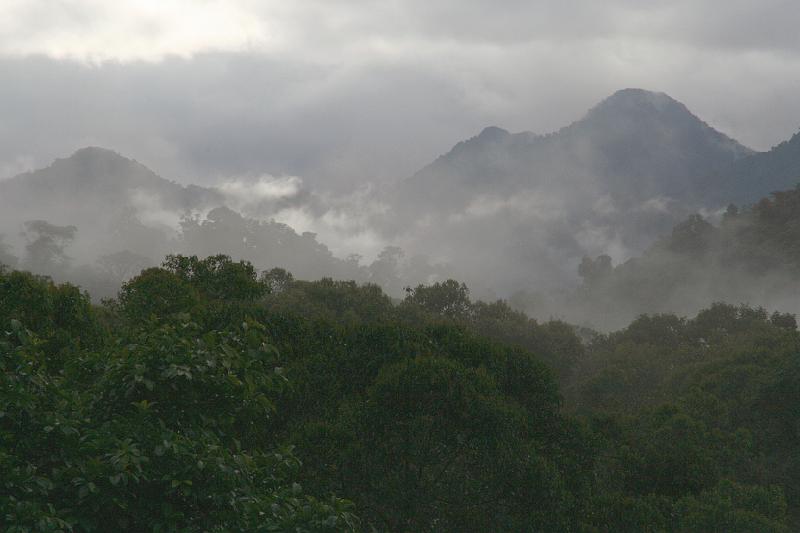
[[276, 266]]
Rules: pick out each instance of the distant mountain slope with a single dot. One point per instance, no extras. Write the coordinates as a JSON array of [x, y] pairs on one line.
[[752, 255], [107, 197], [91, 217], [634, 146], [504, 211], [524, 208], [98, 174], [753, 177]]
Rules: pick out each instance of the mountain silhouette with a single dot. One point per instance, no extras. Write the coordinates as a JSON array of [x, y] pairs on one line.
[[749, 179], [633, 146]]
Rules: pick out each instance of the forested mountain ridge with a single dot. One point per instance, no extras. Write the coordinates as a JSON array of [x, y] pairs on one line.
[[752, 255], [436, 412], [526, 207], [634, 145], [96, 218], [114, 204], [757, 175], [101, 180], [507, 213]]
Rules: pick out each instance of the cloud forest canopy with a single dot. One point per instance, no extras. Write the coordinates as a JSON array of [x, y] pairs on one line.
[[220, 392], [750, 256], [265, 268], [209, 398]]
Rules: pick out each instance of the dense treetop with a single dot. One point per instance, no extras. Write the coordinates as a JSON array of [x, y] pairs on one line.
[[209, 397]]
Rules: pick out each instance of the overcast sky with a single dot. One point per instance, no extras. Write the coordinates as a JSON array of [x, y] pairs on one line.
[[341, 92]]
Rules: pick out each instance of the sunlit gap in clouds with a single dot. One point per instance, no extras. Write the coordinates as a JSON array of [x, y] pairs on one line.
[[130, 30]]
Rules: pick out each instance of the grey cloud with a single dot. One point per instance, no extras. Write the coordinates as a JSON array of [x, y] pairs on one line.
[[221, 115], [358, 91], [737, 23], [355, 89]]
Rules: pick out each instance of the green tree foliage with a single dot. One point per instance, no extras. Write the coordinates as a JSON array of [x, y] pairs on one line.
[[434, 445], [330, 301], [217, 277], [60, 315], [188, 403], [161, 429], [697, 402], [277, 279], [732, 507], [157, 293], [449, 299], [553, 342]]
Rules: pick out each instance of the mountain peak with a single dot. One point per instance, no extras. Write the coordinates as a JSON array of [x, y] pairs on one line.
[[638, 101], [96, 155], [95, 186], [493, 133], [95, 170], [89, 151], [637, 119], [633, 146], [641, 95]]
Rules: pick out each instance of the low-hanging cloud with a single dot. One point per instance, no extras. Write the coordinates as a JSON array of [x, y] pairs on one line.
[[347, 93], [346, 223], [245, 192]]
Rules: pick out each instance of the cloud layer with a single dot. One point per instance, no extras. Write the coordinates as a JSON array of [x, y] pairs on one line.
[[344, 92]]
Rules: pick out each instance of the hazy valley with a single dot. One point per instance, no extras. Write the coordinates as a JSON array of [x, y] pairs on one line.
[[512, 215]]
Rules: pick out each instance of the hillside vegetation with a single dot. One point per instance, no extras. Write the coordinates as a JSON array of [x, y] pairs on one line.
[[752, 255], [210, 397]]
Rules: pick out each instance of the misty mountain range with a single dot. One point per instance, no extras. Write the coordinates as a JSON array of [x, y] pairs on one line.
[[636, 164], [504, 212], [634, 146], [526, 207]]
